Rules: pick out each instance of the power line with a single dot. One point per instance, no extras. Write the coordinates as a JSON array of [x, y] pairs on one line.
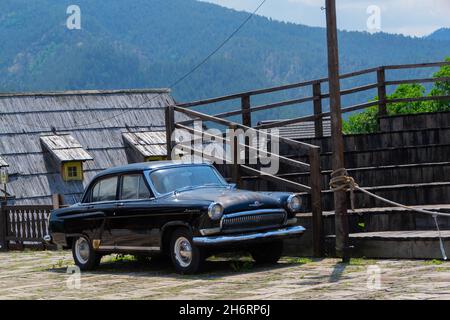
[[175, 83]]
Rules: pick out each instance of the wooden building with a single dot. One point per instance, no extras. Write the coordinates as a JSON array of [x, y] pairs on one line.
[[56, 142]]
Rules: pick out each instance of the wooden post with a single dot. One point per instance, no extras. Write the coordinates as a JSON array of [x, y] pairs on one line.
[[381, 80], [316, 201], [340, 197], [246, 121], [235, 154], [3, 227], [318, 119], [57, 200], [170, 128], [246, 112]]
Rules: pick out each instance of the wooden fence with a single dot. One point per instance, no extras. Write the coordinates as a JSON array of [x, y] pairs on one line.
[[246, 109], [24, 226]]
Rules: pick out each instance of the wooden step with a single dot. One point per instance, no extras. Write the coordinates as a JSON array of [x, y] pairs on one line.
[[415, 121], [378, 176], [379, 140], [422, 244], [388, 156], [407, 194], [372, 219]]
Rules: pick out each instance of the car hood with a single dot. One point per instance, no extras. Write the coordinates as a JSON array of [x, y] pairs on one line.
[[233, 200]]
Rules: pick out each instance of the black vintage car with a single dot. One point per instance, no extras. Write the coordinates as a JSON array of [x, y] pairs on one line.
[[185, 211]]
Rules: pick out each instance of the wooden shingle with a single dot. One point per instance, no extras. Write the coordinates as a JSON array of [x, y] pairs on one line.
[[147, 143], [65, 148]]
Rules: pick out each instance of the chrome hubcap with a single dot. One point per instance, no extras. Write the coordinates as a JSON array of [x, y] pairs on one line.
[[183, 251], [82, 250]]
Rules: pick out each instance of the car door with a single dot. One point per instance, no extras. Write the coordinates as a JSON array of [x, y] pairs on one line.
[[134, 212], [102, 206]]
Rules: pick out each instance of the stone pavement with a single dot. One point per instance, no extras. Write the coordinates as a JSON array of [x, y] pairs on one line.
[[43, 275]]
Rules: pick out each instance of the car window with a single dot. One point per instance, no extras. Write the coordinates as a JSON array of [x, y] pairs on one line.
[[177, 178], [105, 190], [133, 187]]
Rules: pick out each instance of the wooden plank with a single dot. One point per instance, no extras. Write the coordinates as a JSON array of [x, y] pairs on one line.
[[290, 184], [381, 79], [170, 127], [417, 65], [318, 126], [418, 99], [3, 228], [316, 203], [420, 80]]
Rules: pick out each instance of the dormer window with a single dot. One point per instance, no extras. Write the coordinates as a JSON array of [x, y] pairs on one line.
[[146, 145], [68, 153], [72, 171]]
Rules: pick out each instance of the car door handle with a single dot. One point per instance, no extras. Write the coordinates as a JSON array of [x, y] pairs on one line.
[[121, 204]]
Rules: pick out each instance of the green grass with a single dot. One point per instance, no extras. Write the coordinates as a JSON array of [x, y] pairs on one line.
[[434, 262], [296, 260]]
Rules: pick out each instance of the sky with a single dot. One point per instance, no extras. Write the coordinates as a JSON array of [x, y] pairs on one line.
[[408, 17]]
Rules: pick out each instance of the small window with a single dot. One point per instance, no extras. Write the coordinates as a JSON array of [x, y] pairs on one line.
[[133, 187], [72, 171], [105, 190]]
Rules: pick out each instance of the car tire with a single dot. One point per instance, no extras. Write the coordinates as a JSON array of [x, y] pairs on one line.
[[267, 253], [186, 257], [84, 254]]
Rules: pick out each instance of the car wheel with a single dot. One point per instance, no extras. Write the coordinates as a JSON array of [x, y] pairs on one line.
[[186, 257], [267, 253], [84, 254]]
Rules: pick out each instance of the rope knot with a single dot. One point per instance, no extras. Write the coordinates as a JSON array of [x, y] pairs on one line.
[[341, 181]]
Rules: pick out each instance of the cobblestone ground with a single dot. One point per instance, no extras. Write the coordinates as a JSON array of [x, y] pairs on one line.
[[43, 275]]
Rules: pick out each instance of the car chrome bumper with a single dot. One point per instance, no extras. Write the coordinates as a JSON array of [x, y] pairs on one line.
[[236, 238]]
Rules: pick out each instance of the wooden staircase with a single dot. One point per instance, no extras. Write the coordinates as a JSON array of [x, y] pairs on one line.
[[420, 178]]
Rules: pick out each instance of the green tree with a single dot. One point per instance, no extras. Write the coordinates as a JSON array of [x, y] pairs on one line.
[[367, 121]]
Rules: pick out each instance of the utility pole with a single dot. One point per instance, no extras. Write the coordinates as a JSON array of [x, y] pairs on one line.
[[340, 197]]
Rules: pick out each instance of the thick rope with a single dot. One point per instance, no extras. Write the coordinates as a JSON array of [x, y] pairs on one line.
[[340, 180]]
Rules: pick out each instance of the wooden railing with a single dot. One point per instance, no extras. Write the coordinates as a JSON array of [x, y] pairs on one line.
[[246, 110], [24, 226]]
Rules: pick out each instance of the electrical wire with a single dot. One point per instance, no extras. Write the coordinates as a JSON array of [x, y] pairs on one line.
[[175, 83]]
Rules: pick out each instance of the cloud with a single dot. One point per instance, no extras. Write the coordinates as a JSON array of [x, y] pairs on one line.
[[409, 17]]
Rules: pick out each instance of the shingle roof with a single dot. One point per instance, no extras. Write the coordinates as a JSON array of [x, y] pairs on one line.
[[302, 130], [95, 119], [65, 148], [147, 143], [3, 163]]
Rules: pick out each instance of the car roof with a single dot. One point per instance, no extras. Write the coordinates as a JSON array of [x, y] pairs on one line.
[[143, 166]]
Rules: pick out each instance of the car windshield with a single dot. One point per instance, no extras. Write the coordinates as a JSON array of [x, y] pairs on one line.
[[186, 177]]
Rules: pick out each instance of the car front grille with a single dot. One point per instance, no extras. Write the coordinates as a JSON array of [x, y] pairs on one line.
[[253, 220]]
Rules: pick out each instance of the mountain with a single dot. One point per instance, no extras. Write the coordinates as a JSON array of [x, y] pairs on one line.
[[153, 43], [440, 34]]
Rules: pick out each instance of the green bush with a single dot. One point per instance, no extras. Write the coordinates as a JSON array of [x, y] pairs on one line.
[[367, 121]]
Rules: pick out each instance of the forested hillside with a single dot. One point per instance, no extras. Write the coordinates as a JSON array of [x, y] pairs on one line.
[[152, 43], [440, 34]]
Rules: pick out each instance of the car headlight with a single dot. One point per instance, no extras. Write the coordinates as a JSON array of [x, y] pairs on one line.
[[294, 203], [215, 211]]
